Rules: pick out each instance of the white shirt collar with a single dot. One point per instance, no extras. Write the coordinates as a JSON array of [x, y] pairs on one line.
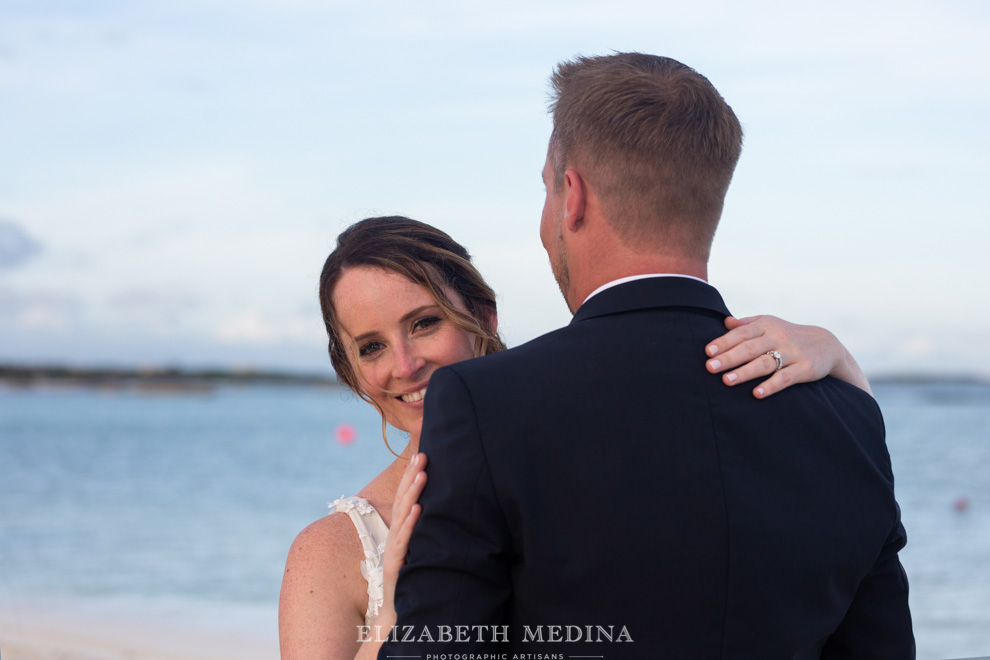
[[631, 278]]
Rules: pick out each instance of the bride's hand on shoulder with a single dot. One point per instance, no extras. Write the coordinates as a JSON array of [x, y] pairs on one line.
[[405, 513], [807, 353]]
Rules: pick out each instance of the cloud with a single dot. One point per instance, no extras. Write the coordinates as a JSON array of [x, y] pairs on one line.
[[917, 346], [39, 310], [16, 246], [146, 310], [250, 327], [141, 300]]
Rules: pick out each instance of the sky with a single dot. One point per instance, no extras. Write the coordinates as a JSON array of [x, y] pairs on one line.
[[173, 175]]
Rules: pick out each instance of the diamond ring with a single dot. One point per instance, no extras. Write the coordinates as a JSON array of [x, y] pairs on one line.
[[776, 358]]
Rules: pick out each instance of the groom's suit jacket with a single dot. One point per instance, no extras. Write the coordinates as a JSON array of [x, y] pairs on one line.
[[599, 484]]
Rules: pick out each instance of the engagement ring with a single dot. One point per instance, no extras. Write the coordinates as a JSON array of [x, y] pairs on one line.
[[776, 358]]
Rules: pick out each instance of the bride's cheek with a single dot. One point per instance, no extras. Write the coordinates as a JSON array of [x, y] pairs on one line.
[[374, 375]]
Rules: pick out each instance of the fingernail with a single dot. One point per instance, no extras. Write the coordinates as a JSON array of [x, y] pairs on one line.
[[415, 460], [714, 364], [759, 391], [712, 350], [731, 377]]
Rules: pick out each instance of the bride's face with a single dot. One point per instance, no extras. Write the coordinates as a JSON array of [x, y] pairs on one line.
[[399, 336]]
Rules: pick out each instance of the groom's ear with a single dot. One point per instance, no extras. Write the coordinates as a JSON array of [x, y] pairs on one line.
[[575, 199]]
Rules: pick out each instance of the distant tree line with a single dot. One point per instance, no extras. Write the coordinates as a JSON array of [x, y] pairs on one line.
[[164, 378]]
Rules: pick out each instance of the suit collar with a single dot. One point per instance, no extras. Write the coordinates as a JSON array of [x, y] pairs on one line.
[[650, 293]]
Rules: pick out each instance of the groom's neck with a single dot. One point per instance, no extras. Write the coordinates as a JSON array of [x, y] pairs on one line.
[[587, 275]]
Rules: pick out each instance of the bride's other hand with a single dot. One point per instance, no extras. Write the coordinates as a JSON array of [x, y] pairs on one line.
[[807, 353], [405, 513]]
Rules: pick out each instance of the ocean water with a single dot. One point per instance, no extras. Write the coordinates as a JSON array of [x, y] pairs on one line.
[[187, 503]]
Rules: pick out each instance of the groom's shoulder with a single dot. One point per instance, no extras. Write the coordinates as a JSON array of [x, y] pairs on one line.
[[849, 401], [554, 345]]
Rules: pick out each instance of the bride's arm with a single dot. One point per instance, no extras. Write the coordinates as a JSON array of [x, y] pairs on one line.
[[324, 595], [405, 513], [807, 353]]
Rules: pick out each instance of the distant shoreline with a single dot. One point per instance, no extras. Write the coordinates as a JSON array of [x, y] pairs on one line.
[[175, 379], [927, 379], [152, 379]]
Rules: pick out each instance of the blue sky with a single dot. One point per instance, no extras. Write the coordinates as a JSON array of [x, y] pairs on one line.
[[172, 175]]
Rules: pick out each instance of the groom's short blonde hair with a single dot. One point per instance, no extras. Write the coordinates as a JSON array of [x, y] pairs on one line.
[[656, 141]]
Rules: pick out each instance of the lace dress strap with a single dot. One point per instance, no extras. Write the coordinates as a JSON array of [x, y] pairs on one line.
[[372, 531]]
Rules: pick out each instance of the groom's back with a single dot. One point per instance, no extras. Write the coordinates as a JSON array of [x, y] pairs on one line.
[[640, 508], [600, 493]]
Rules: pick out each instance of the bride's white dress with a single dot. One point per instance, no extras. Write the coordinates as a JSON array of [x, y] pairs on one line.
[[372, 531]]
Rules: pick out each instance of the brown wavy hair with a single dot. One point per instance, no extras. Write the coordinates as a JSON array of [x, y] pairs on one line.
[[423, 254]]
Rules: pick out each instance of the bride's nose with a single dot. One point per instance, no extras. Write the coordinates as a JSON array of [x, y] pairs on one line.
[[407, 362]]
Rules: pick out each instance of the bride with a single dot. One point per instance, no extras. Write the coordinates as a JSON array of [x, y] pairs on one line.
[[401, 299]]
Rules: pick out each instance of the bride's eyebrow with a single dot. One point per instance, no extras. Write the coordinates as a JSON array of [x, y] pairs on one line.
[[405, 318]]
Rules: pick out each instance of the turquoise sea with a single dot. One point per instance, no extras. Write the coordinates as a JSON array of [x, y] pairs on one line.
[[188, 502]]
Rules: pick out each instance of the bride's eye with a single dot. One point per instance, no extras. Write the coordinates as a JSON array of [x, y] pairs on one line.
[[369, 349], [426, 322]]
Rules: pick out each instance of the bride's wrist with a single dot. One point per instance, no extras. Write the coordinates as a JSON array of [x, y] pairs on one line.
[[386, 619], [848, 369]]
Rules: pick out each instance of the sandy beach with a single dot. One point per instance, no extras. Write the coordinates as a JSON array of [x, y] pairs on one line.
[[116, 631]]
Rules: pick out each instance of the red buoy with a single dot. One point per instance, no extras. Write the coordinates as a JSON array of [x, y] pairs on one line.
[[346, 434]]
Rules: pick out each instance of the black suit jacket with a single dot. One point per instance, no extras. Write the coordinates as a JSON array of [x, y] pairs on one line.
[[596, 492]]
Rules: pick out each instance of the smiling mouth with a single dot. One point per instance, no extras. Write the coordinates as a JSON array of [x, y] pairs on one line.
[[413, 397]]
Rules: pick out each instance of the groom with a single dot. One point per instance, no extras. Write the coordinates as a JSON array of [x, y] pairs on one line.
[[595, 492]]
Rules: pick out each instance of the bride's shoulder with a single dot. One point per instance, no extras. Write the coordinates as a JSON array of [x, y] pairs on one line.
[[322, 573], [323, 593], [330, 537]]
